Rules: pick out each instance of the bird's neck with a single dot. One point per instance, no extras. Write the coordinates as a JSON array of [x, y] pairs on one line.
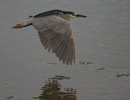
[[65, 17]]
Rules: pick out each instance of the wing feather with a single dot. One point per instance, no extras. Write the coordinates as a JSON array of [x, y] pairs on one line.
[[56, 35]]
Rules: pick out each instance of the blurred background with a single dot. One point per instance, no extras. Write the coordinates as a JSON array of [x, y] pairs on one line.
[[102, 42]]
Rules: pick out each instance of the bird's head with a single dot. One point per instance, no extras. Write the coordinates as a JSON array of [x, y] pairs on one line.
[[70, 15], [64, 14]]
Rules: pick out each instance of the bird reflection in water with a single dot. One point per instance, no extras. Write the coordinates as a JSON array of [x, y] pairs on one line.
[[53, 90]]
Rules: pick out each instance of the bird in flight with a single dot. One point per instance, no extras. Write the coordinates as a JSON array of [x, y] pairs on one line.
[[55, 32]]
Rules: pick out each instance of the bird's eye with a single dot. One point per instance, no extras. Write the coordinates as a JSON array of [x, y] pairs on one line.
[[73, 14], [30, 16]]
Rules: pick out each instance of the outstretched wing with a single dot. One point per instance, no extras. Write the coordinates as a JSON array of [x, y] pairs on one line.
[[56, 35]]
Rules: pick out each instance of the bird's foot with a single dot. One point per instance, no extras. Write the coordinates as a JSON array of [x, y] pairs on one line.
[[18, 26]]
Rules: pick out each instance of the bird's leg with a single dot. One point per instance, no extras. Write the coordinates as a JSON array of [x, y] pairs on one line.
[[18, 26], [21, 25], [26, 23]]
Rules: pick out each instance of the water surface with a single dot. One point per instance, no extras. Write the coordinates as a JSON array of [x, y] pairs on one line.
[[103, 39]]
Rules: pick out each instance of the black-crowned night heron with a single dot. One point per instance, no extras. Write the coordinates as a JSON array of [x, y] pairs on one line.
[[55, 32]]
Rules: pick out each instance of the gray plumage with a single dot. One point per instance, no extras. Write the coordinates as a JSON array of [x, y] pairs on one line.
[[55, 33]]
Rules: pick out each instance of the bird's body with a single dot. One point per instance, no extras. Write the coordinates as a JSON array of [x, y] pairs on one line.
[[55, 32]]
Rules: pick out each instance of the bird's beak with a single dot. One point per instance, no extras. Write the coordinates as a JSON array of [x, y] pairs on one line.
[[80, 16]]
